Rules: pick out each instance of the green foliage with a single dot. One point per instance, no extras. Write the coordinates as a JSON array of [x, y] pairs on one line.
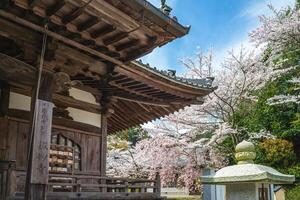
[[256, 116], [132, 135], [298, 4], [203, 135], [227, 147], [277, 153], [294, 170], [293, 193]]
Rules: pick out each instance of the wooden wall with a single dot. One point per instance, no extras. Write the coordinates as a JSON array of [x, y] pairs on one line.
[[14, 143]]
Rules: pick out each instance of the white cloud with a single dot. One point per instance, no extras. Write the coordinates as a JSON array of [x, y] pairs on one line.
[[261, 8]]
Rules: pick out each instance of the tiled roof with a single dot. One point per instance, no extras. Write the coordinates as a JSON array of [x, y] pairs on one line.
[[202, 83]]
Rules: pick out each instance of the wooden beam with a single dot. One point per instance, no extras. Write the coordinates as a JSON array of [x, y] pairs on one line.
[[131, 84], [113, 39], [131, 71], [33, 3], [88, 24], [126, 114], [125, 80], [142, 85], [127, 45], [55, 8], [131, 98], [134, 92], [67, 19], [65, 101], [12, 69], [144, 89], [114, 122], [150, 91], [134, 111], [16, 32], [102, 31], [109, 14], [58, 122], [58, 37]]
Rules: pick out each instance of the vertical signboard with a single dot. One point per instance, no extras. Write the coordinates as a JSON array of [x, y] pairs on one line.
[[41, 142]]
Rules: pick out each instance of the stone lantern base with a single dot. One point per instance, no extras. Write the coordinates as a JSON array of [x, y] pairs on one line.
[[249, 191]]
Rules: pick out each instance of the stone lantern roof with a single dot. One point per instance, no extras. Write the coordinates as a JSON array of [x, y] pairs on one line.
[[246, 171]]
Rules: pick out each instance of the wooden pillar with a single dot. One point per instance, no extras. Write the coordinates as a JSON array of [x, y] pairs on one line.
[[4, 98], [38, 159], [103, 150], [105, 103], [103, 144]]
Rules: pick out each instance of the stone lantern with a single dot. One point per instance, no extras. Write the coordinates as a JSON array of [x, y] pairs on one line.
[[246, 180]]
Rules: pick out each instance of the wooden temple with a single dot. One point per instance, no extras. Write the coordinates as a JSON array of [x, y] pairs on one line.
[[68, 78]]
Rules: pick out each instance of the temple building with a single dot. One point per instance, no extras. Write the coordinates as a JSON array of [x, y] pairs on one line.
[[68, 78]]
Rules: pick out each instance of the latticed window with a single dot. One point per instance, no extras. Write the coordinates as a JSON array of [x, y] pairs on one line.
[[65, 155]]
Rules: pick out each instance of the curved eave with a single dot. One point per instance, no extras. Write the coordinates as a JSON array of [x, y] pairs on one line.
[[161, 19], [171, 83]]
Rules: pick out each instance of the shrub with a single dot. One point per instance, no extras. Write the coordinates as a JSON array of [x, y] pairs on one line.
[[293, 193], [277, 153]]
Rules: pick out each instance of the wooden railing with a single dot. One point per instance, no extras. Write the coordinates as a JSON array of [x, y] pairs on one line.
[[67, 183], [86, 183]]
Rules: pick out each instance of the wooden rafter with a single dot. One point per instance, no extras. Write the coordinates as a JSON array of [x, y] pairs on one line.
[[103, 31], [115, 38], [55, 8], [127, 45], [88, 24]]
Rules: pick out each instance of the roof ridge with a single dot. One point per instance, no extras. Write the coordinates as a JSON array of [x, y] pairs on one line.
[[199, 82]]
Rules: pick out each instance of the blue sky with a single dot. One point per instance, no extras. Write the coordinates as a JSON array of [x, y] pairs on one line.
[[220, 25]]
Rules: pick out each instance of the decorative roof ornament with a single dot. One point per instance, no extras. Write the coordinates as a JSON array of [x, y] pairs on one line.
[[165, 8], [171, 73], [245, 153]]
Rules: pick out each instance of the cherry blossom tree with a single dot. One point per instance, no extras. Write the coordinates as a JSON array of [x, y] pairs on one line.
[[280, 35], [184, 143]]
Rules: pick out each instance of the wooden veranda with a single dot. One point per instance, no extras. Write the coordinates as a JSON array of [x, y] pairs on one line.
[[68, 78]]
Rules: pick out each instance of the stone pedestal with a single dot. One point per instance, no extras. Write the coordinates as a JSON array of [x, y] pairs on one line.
[[249, 191], [241, 191]]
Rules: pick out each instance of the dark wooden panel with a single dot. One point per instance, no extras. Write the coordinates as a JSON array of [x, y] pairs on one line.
[[22, 145], [3, 135], [12, 140], [93, 152], [78, 138], [84, 153]]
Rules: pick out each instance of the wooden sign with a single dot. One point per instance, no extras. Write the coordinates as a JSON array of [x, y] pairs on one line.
[[41, 144]]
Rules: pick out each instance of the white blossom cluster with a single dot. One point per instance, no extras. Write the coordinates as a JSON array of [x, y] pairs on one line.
[[279, 30], [284, 99]]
